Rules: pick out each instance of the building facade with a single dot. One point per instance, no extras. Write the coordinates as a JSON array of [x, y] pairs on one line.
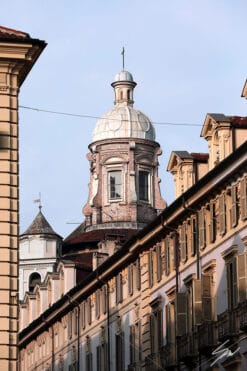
[[167, 297], [18, 53]]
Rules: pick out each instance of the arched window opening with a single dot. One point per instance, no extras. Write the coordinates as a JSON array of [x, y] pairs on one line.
[[128, 94], [34, 279]]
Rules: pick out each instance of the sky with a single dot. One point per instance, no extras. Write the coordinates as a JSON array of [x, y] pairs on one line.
[[188, 58]]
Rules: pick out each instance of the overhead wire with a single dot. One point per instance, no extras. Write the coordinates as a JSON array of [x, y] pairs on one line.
[[98, 117]]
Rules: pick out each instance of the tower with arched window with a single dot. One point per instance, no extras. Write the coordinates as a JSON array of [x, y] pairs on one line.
[[39, 253]]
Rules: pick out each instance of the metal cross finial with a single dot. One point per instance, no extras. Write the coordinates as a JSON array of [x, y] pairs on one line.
[[123, 52], [38, 200]]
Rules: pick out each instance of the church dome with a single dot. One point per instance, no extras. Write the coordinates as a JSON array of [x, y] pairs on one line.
[[123, 121]]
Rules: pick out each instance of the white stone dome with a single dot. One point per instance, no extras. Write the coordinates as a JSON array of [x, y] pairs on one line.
[[124, 122], [123, 76]]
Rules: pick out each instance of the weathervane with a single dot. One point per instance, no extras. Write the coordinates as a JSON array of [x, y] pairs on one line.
[[38, 200], [123, 52]]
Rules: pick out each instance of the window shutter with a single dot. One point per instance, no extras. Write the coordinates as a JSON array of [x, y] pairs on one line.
[[130, 279], [70, 325], [193, 236], [97, 304], [104, 299], [83, 312], [152, 333], [99, 358], [150, 266], [138, 274], [183, 243], [168, 323], [167, 256], [132, 343], [222, 214], [159, 263], [202, 237], [159, 315], [89, 311], [243, 198], [207, 300], [197, 290], [234, 206], [181, 313], [242, 272], [212, 225]]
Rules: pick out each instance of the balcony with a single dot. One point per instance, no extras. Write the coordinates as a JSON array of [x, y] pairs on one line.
[[187, 347], [227, 324], [242, 316], [207, 336]]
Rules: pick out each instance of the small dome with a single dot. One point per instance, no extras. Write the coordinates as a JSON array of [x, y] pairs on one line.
[[124, 122], [123, 76]]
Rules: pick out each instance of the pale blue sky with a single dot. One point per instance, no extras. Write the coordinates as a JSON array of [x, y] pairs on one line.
[[187, 56]]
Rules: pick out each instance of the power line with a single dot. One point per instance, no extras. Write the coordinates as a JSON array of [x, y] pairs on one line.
[[98, 117]]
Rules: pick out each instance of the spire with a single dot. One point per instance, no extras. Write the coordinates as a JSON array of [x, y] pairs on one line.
[[40, 226], [123, 51]]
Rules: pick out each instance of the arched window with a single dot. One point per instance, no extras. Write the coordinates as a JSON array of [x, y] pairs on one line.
[[128, 94], [34, 279]]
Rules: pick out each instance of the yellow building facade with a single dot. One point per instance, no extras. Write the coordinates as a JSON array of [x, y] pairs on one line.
[[172, 294], [18, 53]]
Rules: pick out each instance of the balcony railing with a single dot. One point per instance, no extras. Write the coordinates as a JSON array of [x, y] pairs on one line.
[[207, 338], [187, 346]]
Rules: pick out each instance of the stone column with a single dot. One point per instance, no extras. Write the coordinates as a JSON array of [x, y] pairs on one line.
[[18, 53]]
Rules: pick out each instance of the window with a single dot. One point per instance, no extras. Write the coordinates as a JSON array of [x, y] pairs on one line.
[[156, 327], [150, 268], [181, 313], [135, 343], [104, 299], [83, 314], [119, 289], [143, 186], [34, 280], [89, 311], [243, 198], [114, 184], [97, 304], [202, 229], [193, 236], [234, 206], [212, 225], [102, 357], [158, 263], [167, 256], [222, 214], [89, 358], [130, 279], [120, 351], [183, 243]]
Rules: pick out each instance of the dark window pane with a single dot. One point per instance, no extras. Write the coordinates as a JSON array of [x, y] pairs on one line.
[[143, 185]]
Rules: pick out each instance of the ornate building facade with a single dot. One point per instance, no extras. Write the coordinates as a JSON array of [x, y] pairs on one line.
[[18, 53], [162, 297]]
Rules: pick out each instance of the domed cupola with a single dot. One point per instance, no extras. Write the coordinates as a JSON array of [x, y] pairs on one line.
[[123, 121], [124, 184]]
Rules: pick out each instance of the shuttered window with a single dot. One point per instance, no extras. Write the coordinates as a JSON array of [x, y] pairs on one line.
[[120, 351], [167, 256], [242, 276], [158, 263], [119, 289], [234, 206], [83, 314], [197, 296], [156, 331], [89, 311], [193, 236], [212, 225], [183, 243], [181, 305], [130, 279], [132, 343], [222, 214], [104, 299], [202, 229], [150, 268], [89, 363], [138, 274], [97, 304], [207, 299], [243, 198], [102, 364], [232, 288]]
